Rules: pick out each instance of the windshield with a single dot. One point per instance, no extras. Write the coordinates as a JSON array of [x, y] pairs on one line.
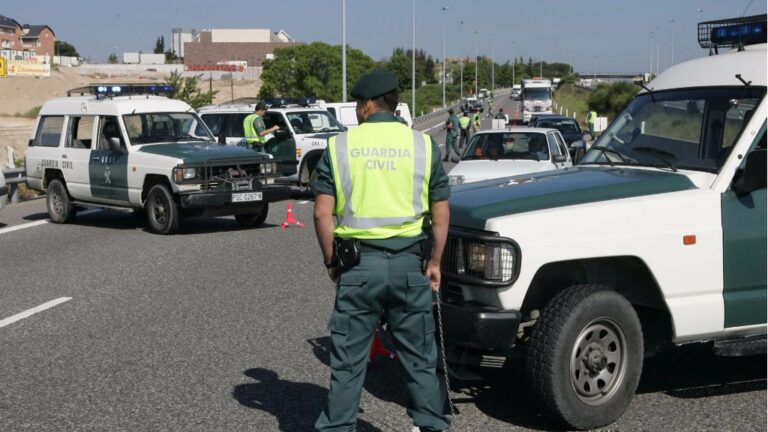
[[537, 94], [508, 145], [688, 129], [304, 122], [150, 128], [566, 127]]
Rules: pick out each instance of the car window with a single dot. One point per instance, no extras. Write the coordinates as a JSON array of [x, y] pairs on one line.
[[214, 123], [80, 132], [274, 119], [561, 144], [49, 131], [552, 142], [109, 135], [163, 127], [304, 122], [234, 125], [507, 146]]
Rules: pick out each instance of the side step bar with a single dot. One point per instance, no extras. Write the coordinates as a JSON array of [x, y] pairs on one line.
[[741, 347]]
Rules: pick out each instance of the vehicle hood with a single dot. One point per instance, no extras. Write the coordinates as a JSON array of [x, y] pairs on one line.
[[201, 151], [478, 170], [474, 204], [572, 137]]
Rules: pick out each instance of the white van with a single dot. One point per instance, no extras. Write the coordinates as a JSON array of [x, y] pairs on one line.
[[344, 112]]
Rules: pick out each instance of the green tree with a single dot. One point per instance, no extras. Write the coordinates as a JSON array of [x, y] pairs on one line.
[[65, 49], [188, 90], [112, 59], [312, 70], [170, 56], [160, 45], [610, 99]]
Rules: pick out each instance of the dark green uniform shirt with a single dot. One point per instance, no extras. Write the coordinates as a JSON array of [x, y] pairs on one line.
[[454, 121], [438, 186]]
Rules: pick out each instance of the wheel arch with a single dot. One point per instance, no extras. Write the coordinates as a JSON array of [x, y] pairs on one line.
[[52, 174], [310, 161], [151, 180], [629, 276]]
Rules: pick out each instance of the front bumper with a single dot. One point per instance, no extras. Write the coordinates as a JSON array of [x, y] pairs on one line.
[[480, 326], [220, 202]]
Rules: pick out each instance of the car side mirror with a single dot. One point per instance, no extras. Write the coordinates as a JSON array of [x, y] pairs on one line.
[[753, 176], [114, 145], [560, 158], [282, 133]]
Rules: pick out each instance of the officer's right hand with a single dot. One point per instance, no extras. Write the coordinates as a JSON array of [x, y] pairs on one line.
[[433, 273], [334, 273]]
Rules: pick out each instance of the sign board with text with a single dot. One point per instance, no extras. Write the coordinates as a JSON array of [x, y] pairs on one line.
[[2, 67], [28, 68]]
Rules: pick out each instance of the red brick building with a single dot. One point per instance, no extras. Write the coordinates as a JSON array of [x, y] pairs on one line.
[[24, 41], [230, 45]]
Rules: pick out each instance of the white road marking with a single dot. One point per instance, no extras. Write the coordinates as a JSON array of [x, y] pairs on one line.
[[34, 310], [305, 202], [40, 222]]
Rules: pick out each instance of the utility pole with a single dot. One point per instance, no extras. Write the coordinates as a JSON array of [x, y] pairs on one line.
[[445, 9], [541, 60], [461, 47], [477, 32], [493, 64], [514, 61], [344, 50]]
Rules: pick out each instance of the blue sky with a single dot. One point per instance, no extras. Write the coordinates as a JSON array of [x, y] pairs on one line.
[[599, 35]]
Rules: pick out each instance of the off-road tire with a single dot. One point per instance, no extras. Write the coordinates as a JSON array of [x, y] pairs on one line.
[[253, 220], [582, 332], [60, 208], [162, 211]]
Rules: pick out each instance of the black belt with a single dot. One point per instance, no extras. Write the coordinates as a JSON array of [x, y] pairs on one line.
[[415, 249]]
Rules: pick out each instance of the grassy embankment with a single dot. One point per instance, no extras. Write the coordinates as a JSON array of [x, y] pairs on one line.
[[573, 99], [429, 97]]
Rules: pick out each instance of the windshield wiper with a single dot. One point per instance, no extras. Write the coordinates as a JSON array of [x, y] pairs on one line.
[[604, 149], [660, 154]]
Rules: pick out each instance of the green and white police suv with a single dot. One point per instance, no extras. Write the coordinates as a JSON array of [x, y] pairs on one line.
[[126, 146], [664, 240]]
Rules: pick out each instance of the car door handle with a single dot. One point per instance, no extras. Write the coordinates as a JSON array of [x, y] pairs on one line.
[[96, 158], [63, 156]]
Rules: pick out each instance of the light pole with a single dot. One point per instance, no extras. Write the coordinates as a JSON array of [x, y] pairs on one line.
[[477, 32], [343, 50], [541, 61], [514, 60], [493, 64], [461, 48], [445, 9], [570, 62], [650, 67], [672, 24], [413, 63], [657, 50]]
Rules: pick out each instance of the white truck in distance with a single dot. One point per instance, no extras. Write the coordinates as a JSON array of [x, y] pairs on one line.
[[665, 245], [536, 97]]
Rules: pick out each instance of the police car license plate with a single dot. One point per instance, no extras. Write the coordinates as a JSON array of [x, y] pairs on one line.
[[245, 197]]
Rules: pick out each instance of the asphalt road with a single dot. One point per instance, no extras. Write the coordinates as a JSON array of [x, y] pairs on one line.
[[221, 329]]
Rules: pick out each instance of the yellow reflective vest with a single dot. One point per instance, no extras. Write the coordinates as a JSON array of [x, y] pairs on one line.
[[381, 172], [252, 136]]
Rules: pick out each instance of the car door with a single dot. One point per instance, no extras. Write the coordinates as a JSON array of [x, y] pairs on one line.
[[744, 250], [108, 167], [563, 150], [555, 155], [76, 155], [283, 145]]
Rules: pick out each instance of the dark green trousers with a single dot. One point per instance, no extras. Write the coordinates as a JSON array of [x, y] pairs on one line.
[[451, 144], [391, 283]]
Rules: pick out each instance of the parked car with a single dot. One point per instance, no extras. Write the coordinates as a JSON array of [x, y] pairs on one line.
[[503, 153], [345, 112], [571, 131], [471, 104]]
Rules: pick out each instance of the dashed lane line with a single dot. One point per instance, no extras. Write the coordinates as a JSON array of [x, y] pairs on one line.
[[29, 312]]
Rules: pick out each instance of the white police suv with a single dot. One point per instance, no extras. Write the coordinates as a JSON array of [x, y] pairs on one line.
[[125, 146], [302, 137], [665, 241]]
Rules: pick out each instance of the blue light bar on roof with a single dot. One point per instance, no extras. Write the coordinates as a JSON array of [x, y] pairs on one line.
[[105, 90], [735, 32]]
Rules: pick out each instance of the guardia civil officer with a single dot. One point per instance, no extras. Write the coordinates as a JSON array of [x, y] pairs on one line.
[[379, 187], [451, 135], [254, 128]]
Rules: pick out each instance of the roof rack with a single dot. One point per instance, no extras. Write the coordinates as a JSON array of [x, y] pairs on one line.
[[105, 90], [733, 32]]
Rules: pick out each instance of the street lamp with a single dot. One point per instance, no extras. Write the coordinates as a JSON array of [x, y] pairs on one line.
[[650, 67], [672, 24], [461, 48], [477, 32], [413, 62], [541, 60], [514, 60], [445, 9], [493, 64], [343, 50]]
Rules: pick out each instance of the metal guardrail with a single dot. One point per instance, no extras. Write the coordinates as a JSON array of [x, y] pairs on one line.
[[443, 111], [13, 177]]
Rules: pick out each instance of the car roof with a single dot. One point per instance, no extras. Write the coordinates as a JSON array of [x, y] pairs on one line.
[[118, 105], [248, 108], [716, 71], [518, 129], [556, 117]]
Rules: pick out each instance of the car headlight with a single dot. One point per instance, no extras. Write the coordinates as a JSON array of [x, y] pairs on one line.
[[269, 168], [486, 259], [182, 174], [455, 180]]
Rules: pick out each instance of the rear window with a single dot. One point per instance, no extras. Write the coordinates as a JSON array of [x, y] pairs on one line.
[[49, 131]]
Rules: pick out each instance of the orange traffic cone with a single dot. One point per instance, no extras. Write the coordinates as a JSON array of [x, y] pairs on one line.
[[377, 349], [290, 220]]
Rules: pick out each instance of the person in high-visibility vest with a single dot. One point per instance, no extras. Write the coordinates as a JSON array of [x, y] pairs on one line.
[[464, 128], [591, 117], [475, 122], [254, 129], [378, 186], [490, 106]]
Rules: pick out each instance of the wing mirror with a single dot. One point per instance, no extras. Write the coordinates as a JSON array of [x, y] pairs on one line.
[[752, 176], [560, 158], [114, 145], [282, 133]]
